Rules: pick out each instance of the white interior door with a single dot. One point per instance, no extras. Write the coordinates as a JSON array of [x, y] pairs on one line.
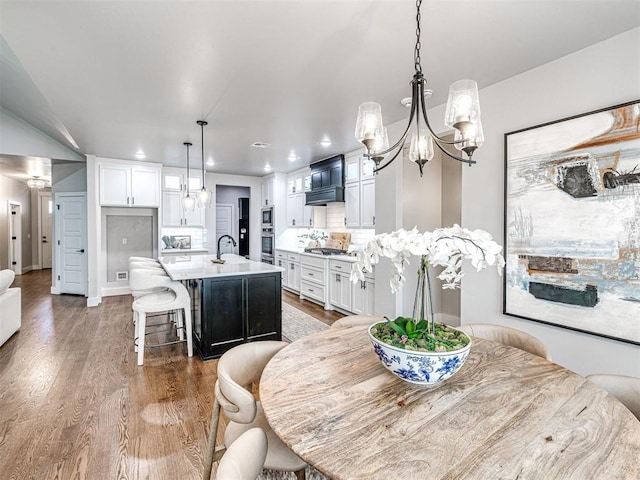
[[71, 224], [46, 213], [15, 237], [224, 226]]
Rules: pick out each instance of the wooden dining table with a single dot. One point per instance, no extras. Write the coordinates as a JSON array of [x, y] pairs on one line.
[[507, 414]]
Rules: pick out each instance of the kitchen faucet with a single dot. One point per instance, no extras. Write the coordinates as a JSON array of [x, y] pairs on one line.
[[221, 237]]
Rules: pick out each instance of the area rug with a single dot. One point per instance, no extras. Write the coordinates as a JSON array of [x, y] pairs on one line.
[[296, 324]]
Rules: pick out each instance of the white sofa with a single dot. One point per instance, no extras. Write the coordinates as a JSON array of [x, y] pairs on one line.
[[10, 306]]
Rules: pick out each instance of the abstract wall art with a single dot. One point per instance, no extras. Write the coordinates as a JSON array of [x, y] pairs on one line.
[[572, 223]]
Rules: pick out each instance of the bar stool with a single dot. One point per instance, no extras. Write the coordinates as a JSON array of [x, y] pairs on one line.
[[170, 295], [139, 289], [143, 259]]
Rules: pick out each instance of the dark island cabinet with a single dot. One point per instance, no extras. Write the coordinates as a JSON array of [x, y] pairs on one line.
[[231, 310]]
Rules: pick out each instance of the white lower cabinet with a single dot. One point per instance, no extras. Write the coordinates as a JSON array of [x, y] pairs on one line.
[[363, 296], [281, 261], [346, 296], [340, 290], [313, 279], [327, 282], [293, 274], [290, 262]]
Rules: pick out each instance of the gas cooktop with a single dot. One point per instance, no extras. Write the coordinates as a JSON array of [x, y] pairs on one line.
[[325, 251]]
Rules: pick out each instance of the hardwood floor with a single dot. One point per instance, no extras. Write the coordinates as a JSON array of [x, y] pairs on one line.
[[76, 405], [310, 308]]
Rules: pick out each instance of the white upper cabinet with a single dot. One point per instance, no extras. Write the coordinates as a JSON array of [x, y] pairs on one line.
[[368, 203], [267, 191], [359, 191], [174, 188], [175, 179], [296, 182], [358, 167], [129, 185], [295, 210], [352, 204], [352, 167]]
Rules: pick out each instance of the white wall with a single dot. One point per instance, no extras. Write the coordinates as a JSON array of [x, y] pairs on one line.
[[600, 76]]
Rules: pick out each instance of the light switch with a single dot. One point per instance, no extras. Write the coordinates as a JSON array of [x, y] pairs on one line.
[[124, 241]]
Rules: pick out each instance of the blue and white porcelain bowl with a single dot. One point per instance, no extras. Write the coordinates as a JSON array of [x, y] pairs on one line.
[[421, 368]]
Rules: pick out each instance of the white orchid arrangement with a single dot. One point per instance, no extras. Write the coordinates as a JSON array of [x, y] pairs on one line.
[[445, 247]]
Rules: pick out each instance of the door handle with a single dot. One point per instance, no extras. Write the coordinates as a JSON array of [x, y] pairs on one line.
[[44, 241], [80, 251]]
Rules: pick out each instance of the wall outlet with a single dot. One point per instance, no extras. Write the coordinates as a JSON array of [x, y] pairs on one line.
[[122, 275], [124, 241]]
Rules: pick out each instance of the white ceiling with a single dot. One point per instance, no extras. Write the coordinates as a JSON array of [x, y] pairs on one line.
[[122, 76]]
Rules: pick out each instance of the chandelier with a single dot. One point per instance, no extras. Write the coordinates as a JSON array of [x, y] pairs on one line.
[[204, 194], [188, 202], [462, 114], [36, 183]]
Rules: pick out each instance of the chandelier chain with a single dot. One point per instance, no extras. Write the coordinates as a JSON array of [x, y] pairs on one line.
[[416, 54]]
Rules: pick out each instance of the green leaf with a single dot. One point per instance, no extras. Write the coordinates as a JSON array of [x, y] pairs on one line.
[[401, 331], [422, 325], [410, 327]]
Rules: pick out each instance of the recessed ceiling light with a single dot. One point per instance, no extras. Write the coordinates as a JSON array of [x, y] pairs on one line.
[[292, 157], [210, 162], [267, 168], [325, 142], [260, 145], [140, 155]]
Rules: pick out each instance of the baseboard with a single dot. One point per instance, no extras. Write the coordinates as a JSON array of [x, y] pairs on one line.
[[93, 301], [27, 269], [114, 291], [36, 267]]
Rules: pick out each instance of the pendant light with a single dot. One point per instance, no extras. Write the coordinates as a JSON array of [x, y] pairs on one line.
[[462, 114], [36, 183], [204, 194], [188, 202]]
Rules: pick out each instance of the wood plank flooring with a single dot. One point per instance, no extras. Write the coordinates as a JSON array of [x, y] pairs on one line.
[[76, 406]]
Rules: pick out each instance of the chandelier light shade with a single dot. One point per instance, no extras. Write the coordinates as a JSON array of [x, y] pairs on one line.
[[204, 194], [462, 115], [421, 147], [36, 183], [188, 202]]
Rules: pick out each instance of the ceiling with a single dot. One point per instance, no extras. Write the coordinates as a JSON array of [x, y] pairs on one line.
[[113, 78]]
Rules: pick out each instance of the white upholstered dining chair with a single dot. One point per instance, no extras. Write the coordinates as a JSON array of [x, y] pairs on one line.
[[245, 457], [355, 321], [507, 336], [238, 369], [623, 387]]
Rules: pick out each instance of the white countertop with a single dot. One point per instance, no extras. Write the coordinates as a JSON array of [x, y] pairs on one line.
[[174, 251], [300, 251], [187, 267]]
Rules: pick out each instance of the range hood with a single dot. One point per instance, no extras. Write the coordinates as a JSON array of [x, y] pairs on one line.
[[327, 181]]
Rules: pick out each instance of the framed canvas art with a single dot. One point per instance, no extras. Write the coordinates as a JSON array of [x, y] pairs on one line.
[[572, 223]]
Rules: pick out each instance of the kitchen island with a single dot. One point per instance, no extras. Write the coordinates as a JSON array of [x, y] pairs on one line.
[[234, 302]]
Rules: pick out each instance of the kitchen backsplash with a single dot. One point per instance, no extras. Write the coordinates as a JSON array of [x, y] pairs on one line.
[[335, 223], [198, 235]]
